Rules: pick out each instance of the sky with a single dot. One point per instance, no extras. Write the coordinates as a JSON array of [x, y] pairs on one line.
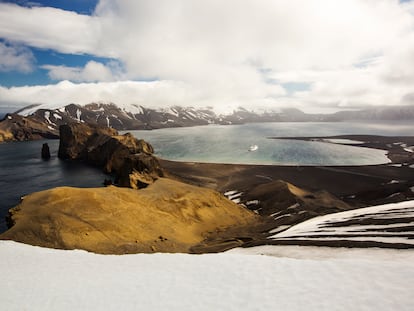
[[315, 55]]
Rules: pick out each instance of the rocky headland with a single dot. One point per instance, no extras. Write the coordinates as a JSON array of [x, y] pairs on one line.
[[129, 160]]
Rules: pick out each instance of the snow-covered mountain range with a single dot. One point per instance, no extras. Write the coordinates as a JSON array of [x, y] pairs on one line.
[[128, 117], [43, 121], [139, 117]]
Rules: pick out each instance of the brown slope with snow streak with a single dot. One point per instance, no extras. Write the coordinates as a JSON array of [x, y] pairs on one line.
[[389, 225]]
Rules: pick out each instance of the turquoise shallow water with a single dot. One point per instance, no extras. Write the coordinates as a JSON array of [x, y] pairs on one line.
[[230, 144]]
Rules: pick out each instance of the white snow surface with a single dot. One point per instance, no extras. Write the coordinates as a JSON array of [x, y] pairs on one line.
[[237, 201], [288, 278], [234, 195], [393, 182], [57, 116], [78, 114], [230, 192], [47, 117]]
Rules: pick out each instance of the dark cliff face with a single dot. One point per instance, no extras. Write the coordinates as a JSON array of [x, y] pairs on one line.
[[75, 138], [129, 159]]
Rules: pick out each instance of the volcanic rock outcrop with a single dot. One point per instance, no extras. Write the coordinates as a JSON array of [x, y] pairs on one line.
[[167, 216], [129, 159], [45, 153]]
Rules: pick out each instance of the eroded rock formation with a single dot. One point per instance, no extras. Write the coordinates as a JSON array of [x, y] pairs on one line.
[[131, 160]]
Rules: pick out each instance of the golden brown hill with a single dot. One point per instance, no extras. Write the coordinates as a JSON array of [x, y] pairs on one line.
[[168, 216]]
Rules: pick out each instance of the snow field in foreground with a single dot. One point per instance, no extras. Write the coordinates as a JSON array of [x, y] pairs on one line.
[[309, 278]]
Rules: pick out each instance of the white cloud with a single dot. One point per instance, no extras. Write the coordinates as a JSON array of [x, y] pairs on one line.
[[148, 94], [351, 52], [49, 28], [181, 39], [92, 72], [16, 58], [158, 93], [397, 64]]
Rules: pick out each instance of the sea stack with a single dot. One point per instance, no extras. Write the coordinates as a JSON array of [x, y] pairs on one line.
[[45, 152]]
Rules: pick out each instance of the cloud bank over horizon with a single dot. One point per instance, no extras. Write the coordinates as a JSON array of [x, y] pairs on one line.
[[316, 55]]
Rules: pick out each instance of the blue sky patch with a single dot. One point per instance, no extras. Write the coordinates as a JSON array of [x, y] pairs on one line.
[[80, 6], [50, 57], [39, 76], [293, 87]]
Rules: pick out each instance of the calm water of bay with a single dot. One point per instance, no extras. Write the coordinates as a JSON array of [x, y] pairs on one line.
[[22, 171], [230, 144]]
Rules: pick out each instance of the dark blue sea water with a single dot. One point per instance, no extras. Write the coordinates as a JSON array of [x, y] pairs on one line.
[[22, 171]]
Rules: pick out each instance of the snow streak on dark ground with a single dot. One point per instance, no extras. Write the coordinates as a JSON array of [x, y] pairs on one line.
[[384, 225]]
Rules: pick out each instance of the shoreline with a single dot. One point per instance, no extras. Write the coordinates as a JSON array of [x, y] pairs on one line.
[[356, 184], [398, 147]]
